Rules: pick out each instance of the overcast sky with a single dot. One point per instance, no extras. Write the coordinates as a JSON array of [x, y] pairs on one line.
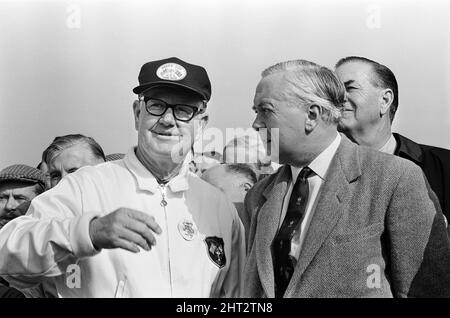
[[69, 66]]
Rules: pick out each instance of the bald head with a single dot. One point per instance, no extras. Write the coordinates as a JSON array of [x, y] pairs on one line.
[[232, 179]]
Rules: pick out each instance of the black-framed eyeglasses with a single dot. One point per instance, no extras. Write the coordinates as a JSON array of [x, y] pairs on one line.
[[181, 112]]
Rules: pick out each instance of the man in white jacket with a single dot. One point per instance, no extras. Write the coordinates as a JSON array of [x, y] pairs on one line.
[[143, 226]]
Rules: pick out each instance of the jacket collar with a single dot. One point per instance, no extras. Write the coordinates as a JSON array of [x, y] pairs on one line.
[[145, 179], [283, 175], [268, 220], [347, 156], [407, 148]]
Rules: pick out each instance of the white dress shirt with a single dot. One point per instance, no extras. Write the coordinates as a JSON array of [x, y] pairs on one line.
[[390, 146], [319, 166]]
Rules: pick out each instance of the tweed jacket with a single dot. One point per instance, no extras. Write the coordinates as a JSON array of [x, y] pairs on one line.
[[377, 231]]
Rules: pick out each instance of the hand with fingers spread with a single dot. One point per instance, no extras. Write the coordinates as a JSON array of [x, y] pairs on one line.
[[124, 228]]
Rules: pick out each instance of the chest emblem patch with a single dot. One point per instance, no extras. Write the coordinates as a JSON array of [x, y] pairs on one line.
[[187, 229], [216, 250]]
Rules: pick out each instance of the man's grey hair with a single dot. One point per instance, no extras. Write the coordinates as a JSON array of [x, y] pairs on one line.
[[61, 143], [312, 84]]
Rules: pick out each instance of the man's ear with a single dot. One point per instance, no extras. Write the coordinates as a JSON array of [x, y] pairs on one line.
[[200, 126], [204, 118], [136, 112], [247, 186], [387, 98], [313, 113]]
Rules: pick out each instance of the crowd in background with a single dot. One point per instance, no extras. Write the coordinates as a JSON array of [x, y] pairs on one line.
[[366, 117]]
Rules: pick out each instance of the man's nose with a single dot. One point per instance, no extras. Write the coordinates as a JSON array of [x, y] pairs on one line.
[[168, 118], [257, 124], [11, 204], [347, 104]]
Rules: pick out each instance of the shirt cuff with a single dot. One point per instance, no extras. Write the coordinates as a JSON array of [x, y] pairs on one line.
[[79, 236]]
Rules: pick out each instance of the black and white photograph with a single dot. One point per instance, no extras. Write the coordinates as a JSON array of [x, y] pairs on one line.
[[243, 150]]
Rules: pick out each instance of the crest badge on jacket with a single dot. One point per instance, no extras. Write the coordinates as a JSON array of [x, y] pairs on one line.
[[216, 250]]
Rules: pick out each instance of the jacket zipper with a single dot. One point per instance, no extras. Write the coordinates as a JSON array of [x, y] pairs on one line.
[[163, 203]]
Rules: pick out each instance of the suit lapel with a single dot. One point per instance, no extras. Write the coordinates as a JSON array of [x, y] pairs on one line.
[[332, 201], [268, 220]]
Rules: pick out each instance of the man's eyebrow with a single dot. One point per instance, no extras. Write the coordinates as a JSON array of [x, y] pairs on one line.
[[256, 107], [349, 82], [264, 103]]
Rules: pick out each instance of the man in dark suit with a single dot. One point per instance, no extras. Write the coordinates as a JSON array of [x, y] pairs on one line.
[[372, 93], [338, 219]]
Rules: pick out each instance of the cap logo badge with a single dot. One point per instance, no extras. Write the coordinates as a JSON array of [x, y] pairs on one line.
[[171, 72]]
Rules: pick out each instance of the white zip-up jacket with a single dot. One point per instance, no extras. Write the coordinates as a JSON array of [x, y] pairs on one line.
[[200, 252]]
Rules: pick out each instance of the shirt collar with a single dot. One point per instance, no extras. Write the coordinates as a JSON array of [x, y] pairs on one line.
[[390, 146], [321, 163], [145, 179]]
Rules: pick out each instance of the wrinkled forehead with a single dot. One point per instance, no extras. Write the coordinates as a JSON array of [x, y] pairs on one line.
[[271, 87], [357, 71], [79, 154]]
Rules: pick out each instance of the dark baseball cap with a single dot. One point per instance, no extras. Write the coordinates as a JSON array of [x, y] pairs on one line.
[[176, 72]]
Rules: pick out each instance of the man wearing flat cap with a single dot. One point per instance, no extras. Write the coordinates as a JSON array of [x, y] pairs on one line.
[[142, 226], [19, 184]]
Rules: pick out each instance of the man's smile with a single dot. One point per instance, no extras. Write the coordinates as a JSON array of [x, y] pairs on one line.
[[166, 135]]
